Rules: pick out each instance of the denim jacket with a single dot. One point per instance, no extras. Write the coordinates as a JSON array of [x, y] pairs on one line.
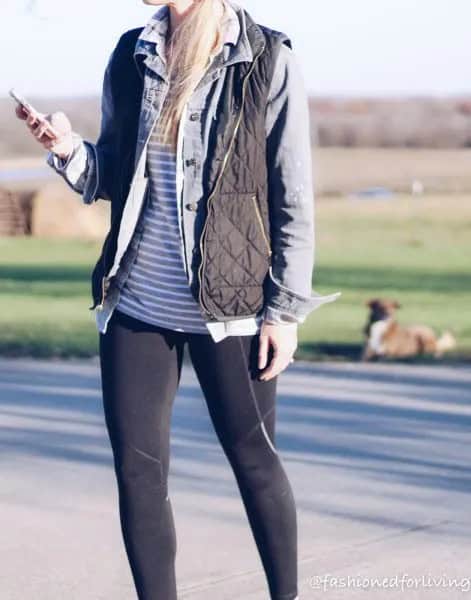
[[291, 206]]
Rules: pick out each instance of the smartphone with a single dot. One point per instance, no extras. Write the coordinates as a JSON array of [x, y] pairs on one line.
[[27, 107]]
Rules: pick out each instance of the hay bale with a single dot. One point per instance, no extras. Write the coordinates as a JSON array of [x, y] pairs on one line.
[[15, 212], [58, 211]]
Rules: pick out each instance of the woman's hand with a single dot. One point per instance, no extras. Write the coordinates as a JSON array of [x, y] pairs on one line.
[[283, 338], [62, 145]]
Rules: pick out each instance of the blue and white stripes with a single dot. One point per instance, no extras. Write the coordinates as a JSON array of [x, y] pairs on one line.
[[157, 289]]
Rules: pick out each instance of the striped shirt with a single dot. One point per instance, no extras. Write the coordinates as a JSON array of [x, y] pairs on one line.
[[157, 289]]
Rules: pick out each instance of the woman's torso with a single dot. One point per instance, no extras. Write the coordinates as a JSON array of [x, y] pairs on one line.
[[156, 289]]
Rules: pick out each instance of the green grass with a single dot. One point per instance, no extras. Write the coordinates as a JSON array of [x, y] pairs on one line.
[[45, 295], [414, 250]]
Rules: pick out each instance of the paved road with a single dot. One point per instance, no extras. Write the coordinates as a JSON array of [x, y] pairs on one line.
[[378, 456]]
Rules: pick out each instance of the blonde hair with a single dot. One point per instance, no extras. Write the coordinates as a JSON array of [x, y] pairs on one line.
[[188, 51]]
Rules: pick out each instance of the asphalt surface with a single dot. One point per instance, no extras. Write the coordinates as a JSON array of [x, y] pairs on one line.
[[378, 457]]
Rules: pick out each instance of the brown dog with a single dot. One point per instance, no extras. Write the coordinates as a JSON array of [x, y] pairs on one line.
[[385, 337]]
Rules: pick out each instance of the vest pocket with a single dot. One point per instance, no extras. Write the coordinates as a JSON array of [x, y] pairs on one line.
[[236, 256]]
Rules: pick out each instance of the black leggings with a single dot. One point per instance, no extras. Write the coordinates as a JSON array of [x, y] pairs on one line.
[[140, 372]]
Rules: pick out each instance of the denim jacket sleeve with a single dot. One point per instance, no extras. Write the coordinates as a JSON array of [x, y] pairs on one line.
[[88, 170], [290, 297]]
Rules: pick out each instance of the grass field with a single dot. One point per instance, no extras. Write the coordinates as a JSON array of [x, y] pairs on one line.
[[413, 249], [343, 170]]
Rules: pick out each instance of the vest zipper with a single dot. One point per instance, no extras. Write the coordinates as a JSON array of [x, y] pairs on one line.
[[211, 196], [260, 221]]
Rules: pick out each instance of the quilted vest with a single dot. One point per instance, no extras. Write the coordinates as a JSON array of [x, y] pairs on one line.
[[232, 252]]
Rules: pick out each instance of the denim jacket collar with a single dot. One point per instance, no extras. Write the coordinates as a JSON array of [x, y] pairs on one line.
[[237, 44]]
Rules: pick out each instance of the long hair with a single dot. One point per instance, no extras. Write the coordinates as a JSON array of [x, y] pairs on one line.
[[188, 51]]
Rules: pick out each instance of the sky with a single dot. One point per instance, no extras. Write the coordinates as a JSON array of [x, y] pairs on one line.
[[367, 47]]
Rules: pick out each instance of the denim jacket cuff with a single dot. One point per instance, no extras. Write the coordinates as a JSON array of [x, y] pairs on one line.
[[74, 166], [279, 317], [62, 165], [292, 305]]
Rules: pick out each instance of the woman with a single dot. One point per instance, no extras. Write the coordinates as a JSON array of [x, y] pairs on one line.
[[205, 97]]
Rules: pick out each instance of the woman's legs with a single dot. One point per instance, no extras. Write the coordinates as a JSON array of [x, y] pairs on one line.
[[140, 371], [242, 409]]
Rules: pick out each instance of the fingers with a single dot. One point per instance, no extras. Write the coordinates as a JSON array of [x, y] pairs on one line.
[[32, 120], [283, 340], [278, 364], [40, 127], [40, 130], [282, 356], [264, 344], [52, 131], [20, 112]]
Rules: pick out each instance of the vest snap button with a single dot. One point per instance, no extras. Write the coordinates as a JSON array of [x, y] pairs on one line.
[[194, 116], [190, 206]]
